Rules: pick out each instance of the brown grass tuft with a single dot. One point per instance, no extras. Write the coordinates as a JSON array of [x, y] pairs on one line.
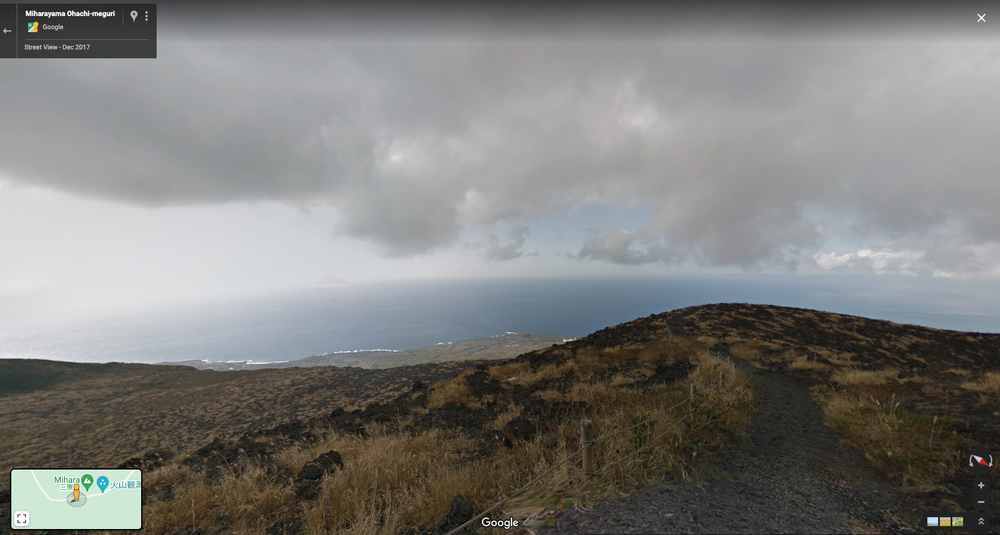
[[245, 503], [748, 352], [455, 389], [802, 362], [550, 395], [989, 383], [864, 377], [917, 450], [508, 370], [547, 373], [589, 363]]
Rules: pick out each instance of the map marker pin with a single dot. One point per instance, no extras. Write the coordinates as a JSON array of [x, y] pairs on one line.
[[87, 480], [102, 482]]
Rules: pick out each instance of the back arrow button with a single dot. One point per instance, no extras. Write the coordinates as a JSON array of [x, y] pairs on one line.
[[6, 31]]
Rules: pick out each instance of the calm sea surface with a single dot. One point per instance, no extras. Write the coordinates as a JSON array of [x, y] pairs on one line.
[[407, 315]]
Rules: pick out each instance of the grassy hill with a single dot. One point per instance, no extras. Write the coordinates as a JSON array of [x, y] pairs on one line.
[[53, 411], [915, 400], [348, 450]]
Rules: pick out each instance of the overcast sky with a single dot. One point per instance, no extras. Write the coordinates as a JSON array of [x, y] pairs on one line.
[[259, 157]]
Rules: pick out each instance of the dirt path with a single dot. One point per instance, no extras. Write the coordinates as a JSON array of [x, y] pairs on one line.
[[791, 475]]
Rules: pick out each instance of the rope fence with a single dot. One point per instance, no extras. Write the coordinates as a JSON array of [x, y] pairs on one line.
[[587, 451]]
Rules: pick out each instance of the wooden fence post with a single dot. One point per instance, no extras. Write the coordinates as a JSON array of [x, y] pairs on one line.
[[722, 380], [694, 391], [587, 437]]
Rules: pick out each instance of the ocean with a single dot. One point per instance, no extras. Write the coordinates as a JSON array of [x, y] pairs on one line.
[[406, 315]]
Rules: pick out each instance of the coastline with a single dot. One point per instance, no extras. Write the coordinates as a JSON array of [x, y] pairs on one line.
[[507, 345]]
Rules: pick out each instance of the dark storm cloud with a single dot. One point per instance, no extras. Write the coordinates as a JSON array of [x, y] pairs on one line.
[[749, 151]]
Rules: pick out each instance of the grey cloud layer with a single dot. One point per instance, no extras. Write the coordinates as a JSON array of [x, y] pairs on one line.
[[509, 248], [749, 153]]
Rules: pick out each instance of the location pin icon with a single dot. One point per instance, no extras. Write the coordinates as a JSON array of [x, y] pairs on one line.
[[102, 482], [134, 15], [87, 480]]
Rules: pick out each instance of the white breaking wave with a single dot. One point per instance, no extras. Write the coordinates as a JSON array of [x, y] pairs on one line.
[[505, 334], [244, 362], [363, 351], [254, 362]]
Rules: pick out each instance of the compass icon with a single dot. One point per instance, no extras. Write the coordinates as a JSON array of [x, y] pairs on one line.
[[980, 461]]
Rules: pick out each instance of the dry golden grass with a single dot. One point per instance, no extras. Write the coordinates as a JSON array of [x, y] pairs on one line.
[[708, 341], [864, 377], [957, 377], [621, 379], [589, 363], [801, 362], [662, 445], [836, 358], [245, 503], [455, 389], [550, 395], [509, 370], [917, 450], [989, 383], [294, 458], [137, 408], [708, 370], [752, 353], [506, 416], [391, 480], [748, 352], [669, 350], [164, 476], [394, 479], [545, 373]]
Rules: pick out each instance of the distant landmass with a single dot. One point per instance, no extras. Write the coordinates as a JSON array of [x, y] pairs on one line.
[[502, 346]]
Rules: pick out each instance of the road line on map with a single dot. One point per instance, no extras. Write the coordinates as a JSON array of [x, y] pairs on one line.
[[58, 500], [40, 487]]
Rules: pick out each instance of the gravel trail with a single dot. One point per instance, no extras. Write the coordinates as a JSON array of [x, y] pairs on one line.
[[791, 475]]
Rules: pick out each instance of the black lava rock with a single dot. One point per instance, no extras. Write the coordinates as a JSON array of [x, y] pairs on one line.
[[308, 480], [286, 526], [150, 460], [460, 513], [520, 428], [221, 457]]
